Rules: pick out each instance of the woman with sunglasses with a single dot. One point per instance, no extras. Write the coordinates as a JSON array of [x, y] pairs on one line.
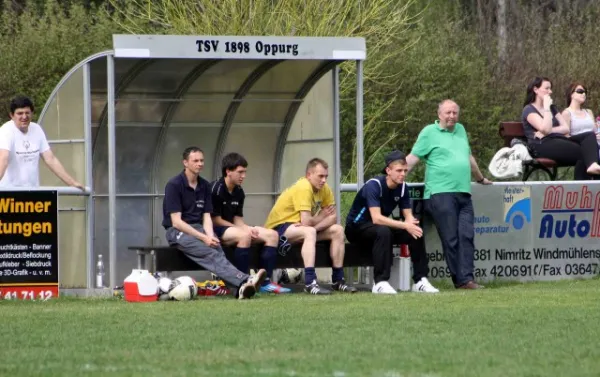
[[580, 120], [546, 131]]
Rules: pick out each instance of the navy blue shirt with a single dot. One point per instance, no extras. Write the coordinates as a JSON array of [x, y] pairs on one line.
[[376, 193], [227, 204], [181, 197]]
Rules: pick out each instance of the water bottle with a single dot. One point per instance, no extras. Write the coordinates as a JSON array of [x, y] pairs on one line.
[[100, 272]]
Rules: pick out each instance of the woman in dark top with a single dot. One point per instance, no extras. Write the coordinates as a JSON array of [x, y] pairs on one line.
[[547, 133]]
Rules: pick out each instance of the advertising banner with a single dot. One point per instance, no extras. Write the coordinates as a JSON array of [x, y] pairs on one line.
[[527, 232], [28, 245]]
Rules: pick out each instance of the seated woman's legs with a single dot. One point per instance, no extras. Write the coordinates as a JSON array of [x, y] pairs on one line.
[[565, 152], [589, 151]]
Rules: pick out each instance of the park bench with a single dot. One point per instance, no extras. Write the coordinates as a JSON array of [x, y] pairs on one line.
[[514, 130], [168, 259]]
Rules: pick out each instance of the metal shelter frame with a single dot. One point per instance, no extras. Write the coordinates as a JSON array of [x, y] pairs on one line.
[[144, 51]]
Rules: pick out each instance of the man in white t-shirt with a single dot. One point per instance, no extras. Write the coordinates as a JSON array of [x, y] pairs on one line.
[[21, 144]]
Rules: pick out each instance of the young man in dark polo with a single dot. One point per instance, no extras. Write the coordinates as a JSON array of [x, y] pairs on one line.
[[369, 225], [187, 210], [228, 219]]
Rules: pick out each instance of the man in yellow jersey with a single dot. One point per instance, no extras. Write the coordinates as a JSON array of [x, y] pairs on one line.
[[305, 212]]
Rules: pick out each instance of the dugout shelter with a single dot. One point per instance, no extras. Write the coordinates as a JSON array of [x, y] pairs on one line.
[[119, 120]]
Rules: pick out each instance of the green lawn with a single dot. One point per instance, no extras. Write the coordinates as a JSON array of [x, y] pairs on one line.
[[542, 329]]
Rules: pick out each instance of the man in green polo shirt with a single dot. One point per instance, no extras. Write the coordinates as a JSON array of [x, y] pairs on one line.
[[444, 146]]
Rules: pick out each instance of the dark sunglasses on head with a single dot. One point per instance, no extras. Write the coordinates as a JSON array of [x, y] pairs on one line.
[[580, 91]]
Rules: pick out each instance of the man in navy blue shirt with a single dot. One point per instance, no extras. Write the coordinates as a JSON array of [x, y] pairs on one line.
[[228, 217], [368, 224], [187, 210]]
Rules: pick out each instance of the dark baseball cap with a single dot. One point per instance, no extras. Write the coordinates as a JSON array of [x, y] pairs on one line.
[[391, 157]]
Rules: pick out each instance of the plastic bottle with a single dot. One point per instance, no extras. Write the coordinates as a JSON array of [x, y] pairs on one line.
[[100, 272]]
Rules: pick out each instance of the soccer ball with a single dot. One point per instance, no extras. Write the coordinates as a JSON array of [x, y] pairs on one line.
[[291, 275], [163, 285], [183, 288]]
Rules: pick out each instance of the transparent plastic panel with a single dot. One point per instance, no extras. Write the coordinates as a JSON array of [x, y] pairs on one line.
[[257, 143], [286, 77], [64, 117], [297, 155], [134, 227], [98, 73], [267, 108], [135, 152], [72, 157], [72, 254], [314, 119], [257, 208], [202, 108], [179, 137], [209, 97], [225, 77], [161, 76]]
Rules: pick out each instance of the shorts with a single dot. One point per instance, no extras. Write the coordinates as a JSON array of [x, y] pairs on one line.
[[219, 231], [281, 228], [284, 246]]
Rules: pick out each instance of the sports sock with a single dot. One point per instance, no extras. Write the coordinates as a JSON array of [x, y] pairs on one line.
[[309, 275]]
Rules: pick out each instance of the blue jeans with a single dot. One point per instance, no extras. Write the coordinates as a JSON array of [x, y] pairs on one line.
[[453, 216]]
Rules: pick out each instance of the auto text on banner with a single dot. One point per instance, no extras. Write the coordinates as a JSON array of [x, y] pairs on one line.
[[530, 232], [28, 245]]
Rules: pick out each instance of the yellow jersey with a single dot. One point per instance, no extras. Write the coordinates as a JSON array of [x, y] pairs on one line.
[[296, 198]]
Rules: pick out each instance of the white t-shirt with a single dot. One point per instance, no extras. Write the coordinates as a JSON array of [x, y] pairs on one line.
[[23, 162]]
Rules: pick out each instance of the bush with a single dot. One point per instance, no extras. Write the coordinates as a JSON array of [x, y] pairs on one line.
[[40, 43]]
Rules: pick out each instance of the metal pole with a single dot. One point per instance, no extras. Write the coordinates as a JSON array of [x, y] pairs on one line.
[[360, 169], [337, 174], [87, 132], [112, 219]]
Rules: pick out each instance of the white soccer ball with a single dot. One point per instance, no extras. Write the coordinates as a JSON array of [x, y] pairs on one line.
[[183, 288], [294, 275], [164, 284], [164, 297]]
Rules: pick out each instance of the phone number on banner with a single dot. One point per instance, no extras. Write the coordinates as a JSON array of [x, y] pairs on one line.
[[573, 269], [41, 293]]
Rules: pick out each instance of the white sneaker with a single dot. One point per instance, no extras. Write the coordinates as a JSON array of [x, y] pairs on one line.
[[383, 287], [250, 287], [424, 286]]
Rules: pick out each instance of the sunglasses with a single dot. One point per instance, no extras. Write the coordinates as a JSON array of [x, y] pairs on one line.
[[580, 91]]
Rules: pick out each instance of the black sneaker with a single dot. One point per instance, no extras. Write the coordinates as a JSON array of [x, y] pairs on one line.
[[314, 289], [343, 287]]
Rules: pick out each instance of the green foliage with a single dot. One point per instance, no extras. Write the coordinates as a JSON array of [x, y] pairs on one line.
[[445, 62], [419, 52], [385, 24], [40, 43]]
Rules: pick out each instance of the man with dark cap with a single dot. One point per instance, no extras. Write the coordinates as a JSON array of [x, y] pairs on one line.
[[368, 224]]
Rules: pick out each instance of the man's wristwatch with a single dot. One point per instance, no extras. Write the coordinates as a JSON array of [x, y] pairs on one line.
[[481, 180]]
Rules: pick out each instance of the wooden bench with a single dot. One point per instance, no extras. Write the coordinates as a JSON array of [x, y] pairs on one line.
[[168, 259], [514, 130]]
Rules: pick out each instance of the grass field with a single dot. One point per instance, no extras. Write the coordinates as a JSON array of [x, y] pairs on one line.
[[541, 329]]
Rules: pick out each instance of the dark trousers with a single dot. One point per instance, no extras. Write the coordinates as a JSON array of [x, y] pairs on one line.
[[380, 240], [580, 150], [452, 214]]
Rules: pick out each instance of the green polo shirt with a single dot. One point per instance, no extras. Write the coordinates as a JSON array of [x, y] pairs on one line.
[[446, 154]]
